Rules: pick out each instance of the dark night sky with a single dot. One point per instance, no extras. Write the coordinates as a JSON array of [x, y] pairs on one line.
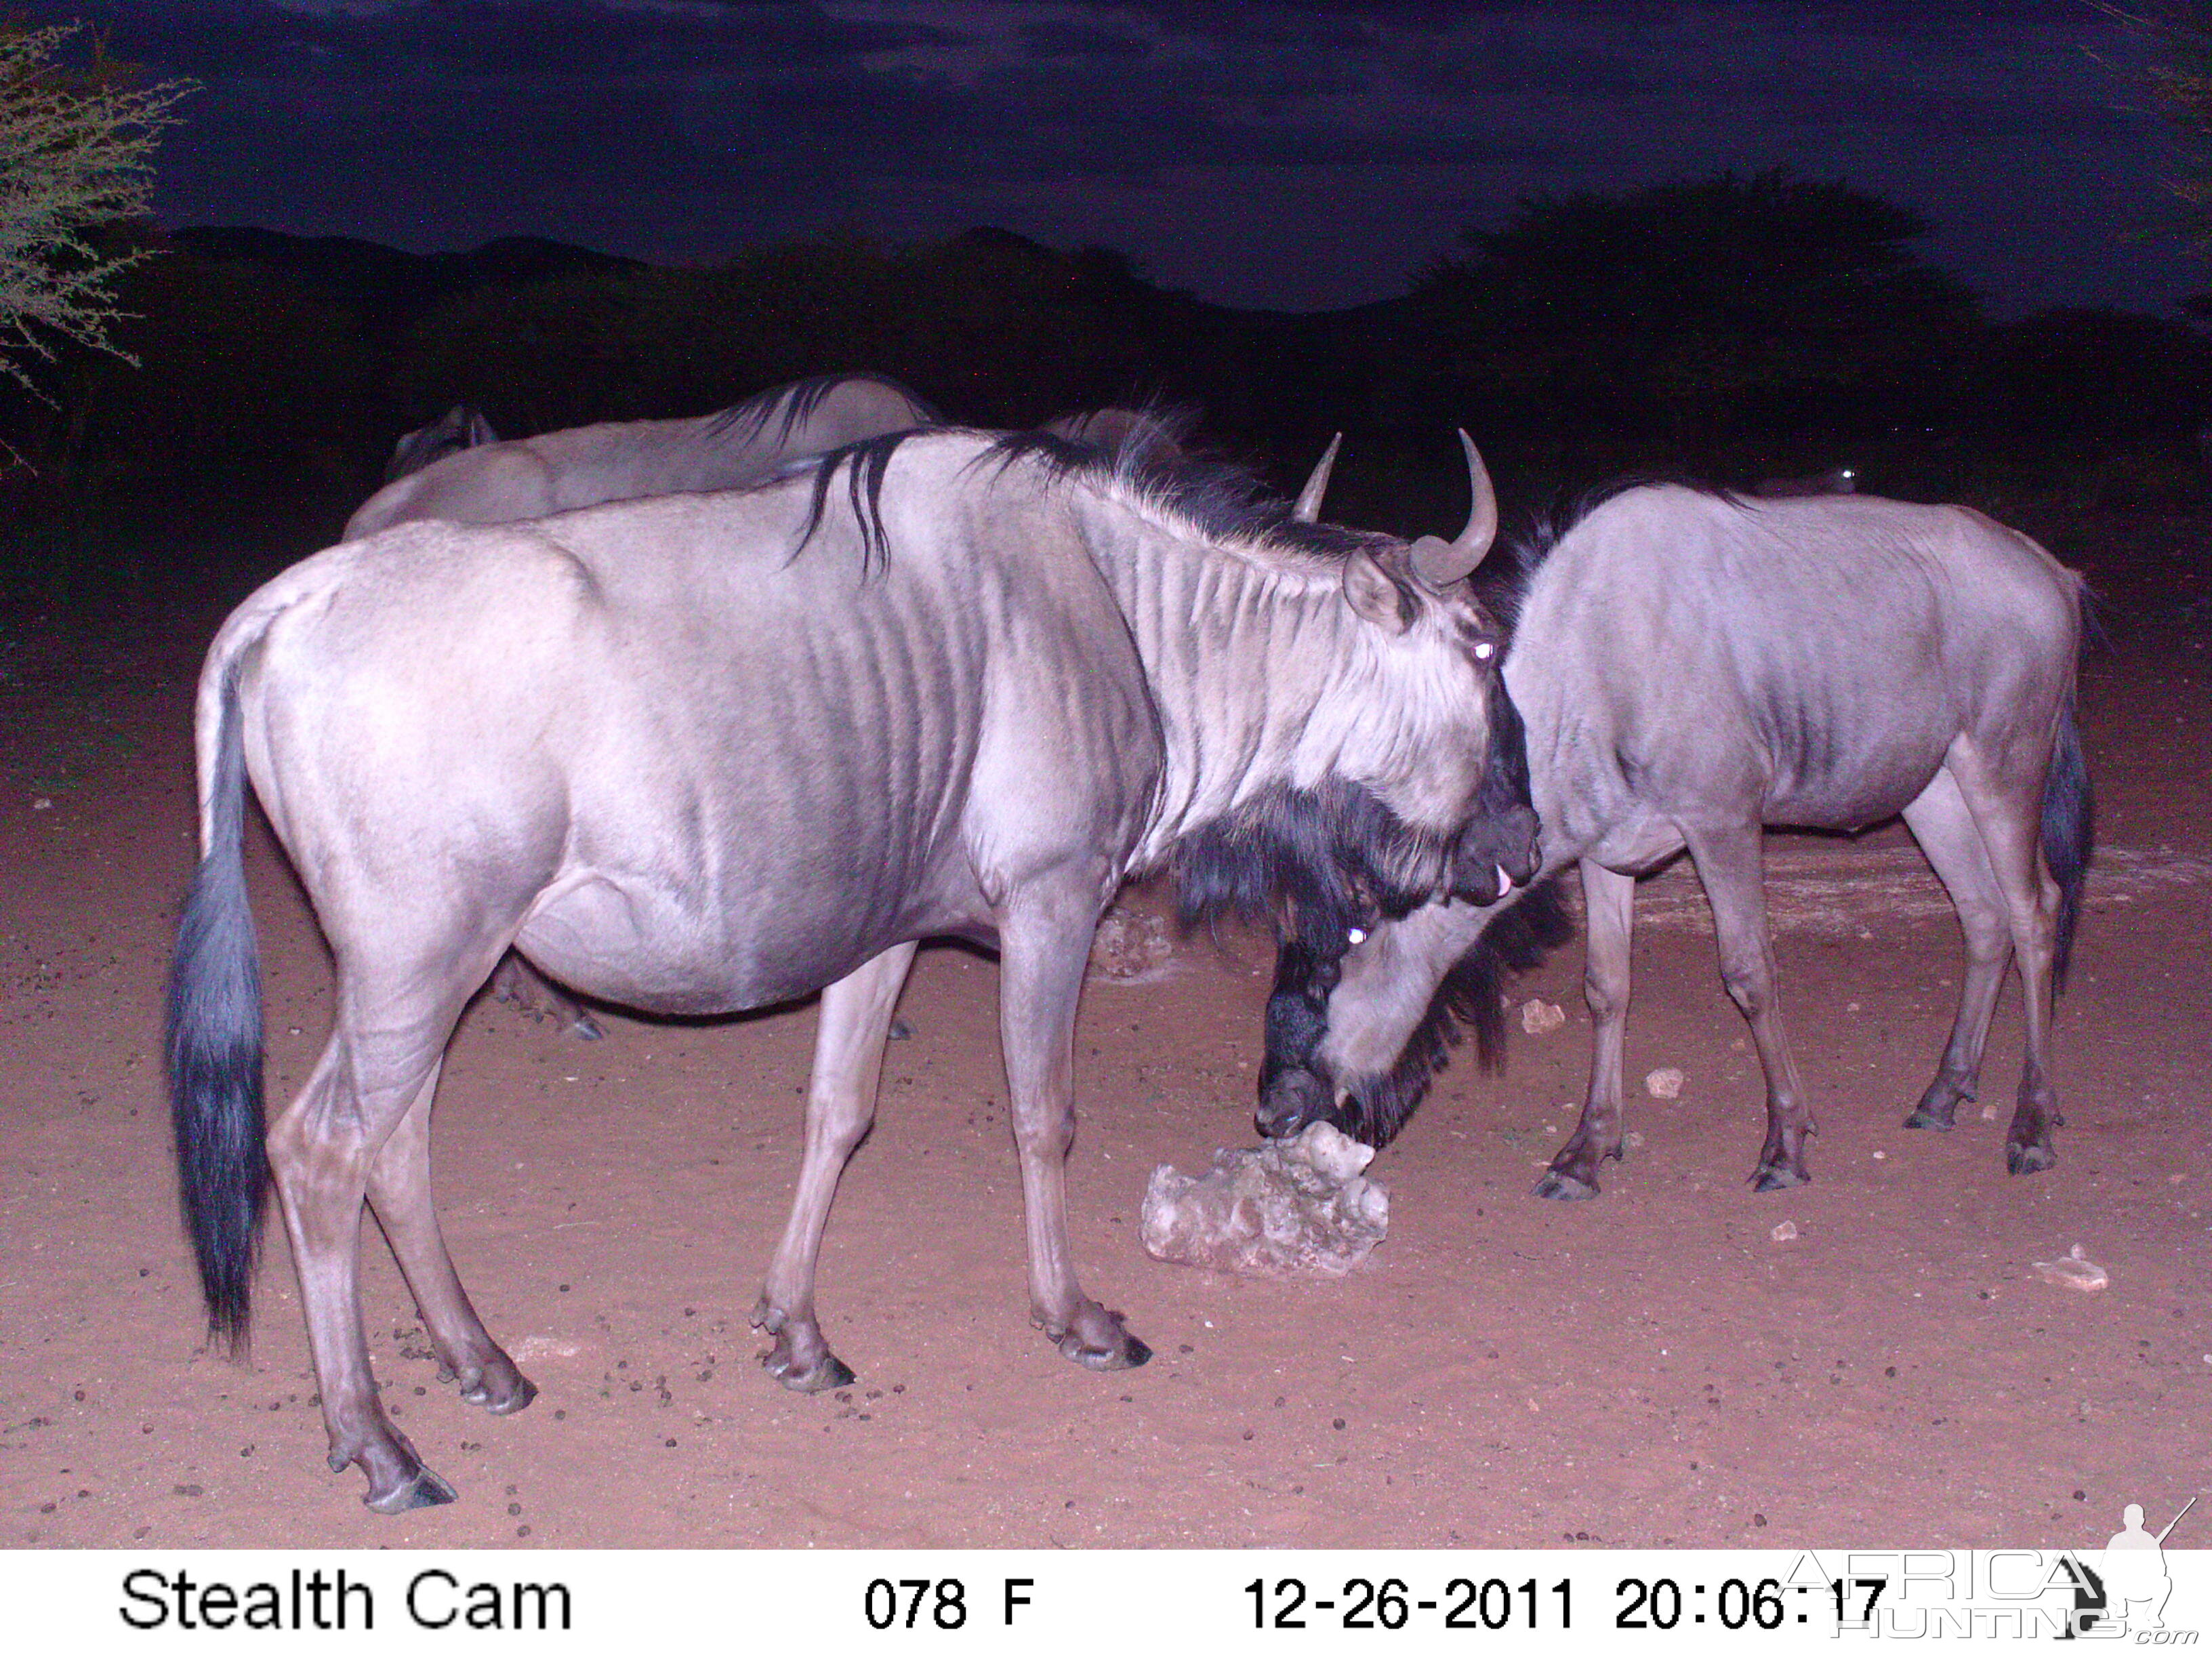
[[1293, 155]]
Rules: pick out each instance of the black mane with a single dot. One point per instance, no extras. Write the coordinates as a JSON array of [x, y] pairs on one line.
[[1473, 995], [795, 401], [1223, 500], [863, 464]]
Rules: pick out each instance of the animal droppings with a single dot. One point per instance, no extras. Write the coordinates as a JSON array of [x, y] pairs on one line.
[[1783, 1232], [2074, 1271], [1665, 1083], [1538, 1017], [1295, 1207]]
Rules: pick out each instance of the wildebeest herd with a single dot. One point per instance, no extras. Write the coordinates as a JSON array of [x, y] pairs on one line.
[[698, 716]]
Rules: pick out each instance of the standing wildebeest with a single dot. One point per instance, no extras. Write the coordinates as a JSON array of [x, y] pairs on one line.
[[499, 482], [457, 468], [709, 752], [1691, 668]]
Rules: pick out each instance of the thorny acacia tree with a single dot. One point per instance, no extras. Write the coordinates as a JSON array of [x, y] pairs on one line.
[[76, 144]]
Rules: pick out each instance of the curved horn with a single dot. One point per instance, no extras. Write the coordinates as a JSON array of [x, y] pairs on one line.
[[1308, 506], [1439, 563]]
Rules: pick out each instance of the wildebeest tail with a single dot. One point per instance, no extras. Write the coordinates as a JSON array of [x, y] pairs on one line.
[[2070, 834], [214, 1038]]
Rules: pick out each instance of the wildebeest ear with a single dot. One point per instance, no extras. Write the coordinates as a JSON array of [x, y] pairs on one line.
[[1369, 591]]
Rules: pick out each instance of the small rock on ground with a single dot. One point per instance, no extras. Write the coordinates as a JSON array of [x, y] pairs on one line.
[[2074, 1271]]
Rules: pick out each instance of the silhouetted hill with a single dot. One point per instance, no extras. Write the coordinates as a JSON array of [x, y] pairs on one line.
[[383, 281]]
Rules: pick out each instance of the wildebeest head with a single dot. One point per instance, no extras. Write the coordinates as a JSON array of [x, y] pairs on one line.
[[1392, 764], [459, 428], [1496, 849]]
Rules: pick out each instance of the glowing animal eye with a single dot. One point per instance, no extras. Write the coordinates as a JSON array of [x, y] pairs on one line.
[[1485, 651]]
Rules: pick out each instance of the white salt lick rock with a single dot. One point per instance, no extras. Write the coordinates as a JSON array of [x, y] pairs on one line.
[[1291, 1206]]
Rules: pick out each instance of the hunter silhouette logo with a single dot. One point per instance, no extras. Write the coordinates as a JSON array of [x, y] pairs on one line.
[[2125, 1593], [2136, 1583]]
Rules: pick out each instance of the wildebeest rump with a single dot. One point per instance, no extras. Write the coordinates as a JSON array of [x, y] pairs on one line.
[[708, 752], [1691, 668], [501, 482]]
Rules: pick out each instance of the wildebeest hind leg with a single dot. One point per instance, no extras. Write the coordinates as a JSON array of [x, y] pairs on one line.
[[399, 1188], [841, 1105], [1609, 899], [1945, 829], [1045, 944], [1728, 861], [2008, 810], [321, 1151]]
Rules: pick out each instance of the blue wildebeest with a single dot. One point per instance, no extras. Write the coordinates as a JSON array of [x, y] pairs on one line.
[[457, 468], [1691, 668], [708, 752], [500, 482]]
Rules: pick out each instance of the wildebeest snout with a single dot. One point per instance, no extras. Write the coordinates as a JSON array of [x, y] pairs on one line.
[[1501, 850], [1291, 1098]]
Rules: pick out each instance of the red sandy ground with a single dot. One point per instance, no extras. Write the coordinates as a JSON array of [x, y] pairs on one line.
[[1651, 1368]]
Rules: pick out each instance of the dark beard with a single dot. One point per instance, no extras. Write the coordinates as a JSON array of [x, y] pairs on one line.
[[1318, 862]]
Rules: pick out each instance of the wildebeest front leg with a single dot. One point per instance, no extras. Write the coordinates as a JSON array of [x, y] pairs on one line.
[[1729, 865], [1609, 899], [841, 1105], [399, 1188], [321, 1149], [1945, 829], [1045, 942]]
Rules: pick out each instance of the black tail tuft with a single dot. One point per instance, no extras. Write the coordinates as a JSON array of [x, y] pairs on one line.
[[214, 1055], [1472, 994], [2069, 836]]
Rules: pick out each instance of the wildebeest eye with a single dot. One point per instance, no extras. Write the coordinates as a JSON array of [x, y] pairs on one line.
[[1484, 650]]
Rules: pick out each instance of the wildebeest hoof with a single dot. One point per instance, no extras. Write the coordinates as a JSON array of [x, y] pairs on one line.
[[824, 1372], [425, 1491], [1095, 1339], [1565, 1187], [1125, 1355], [586, 1027], [2029, 1159], [1776, 1177], [1924, 1118], [500, 1400], [799, 1358]]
